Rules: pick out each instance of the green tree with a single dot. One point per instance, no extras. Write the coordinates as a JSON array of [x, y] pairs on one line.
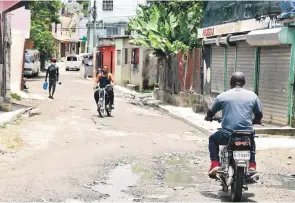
[[84, 3], [43, 14], [167, 27]]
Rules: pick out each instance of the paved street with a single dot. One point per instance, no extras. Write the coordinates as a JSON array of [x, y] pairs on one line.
[[140, 154]]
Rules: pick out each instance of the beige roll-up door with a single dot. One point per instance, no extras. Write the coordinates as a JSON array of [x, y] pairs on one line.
[[246, 63], [217, 69], [273, 83], [231, 52]]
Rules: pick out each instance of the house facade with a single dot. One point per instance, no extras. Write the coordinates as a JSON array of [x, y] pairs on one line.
[[70, 34], [111, 23], [261, 47]]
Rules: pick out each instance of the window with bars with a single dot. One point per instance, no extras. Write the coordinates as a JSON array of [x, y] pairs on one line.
[[107, 5]]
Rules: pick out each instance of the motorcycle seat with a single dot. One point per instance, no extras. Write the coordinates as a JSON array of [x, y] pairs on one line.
[[243, 132]]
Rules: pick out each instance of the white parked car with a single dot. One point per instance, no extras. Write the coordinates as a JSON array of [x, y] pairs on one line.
[[32, 62], [73, 62]]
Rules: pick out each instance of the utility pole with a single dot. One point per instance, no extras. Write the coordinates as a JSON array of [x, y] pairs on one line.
[[94, 15], [88, 29]]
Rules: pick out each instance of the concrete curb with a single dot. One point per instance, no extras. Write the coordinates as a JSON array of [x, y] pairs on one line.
[[158, 107], [203, 130], [14, 115], [259, 131]]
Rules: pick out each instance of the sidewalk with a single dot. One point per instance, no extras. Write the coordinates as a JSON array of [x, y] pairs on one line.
[[197, 119]]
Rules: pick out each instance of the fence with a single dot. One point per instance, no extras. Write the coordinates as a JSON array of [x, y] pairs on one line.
[[181, 74]]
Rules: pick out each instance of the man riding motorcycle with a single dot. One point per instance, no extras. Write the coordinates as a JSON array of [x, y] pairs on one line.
[[105, 78], [237, 105]]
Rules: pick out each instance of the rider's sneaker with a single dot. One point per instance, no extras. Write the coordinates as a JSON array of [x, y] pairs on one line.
[[252, 168], [112, 106], [213, 169]]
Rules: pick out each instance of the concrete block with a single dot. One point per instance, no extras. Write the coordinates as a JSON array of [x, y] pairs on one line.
[[132, 87], [184, 102], [198, 108], [6, 107]]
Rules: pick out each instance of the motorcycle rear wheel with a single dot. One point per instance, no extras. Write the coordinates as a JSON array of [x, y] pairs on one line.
[[237, 185]]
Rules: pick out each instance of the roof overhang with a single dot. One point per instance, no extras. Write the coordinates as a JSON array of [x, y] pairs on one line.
[[8, 6], [258, 38], [266, 37]]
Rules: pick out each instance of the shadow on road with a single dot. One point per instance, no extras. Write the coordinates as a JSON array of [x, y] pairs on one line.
[[225, 197]]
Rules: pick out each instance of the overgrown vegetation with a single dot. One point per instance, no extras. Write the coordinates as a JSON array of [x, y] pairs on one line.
[[167, 27], [85, 6], [15, 96], [43, 14]]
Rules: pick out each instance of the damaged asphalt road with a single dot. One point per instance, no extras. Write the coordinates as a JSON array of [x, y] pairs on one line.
[[138, 154]]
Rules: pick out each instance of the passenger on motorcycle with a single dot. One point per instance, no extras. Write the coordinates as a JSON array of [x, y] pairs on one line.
[[238, 106], [105, 78]]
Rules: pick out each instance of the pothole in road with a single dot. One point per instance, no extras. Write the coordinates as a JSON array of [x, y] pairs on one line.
[[115, 188]]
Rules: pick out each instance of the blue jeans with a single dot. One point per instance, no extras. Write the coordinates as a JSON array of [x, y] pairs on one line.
[[221, 138]]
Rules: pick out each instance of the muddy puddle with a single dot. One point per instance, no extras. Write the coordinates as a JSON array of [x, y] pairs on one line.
[[115, 188]]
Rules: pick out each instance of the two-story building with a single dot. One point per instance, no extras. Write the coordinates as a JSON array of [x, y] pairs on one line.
[[111, 22], [70, 34], [258, 39]]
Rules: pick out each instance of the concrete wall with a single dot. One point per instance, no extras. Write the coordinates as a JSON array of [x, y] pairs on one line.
[[136, 70], [150, 68], [20, 31], [118, 60], [17, 51]]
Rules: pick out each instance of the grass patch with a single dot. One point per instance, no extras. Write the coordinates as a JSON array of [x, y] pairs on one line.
[[10, 140], [15, 96], [4, 125]]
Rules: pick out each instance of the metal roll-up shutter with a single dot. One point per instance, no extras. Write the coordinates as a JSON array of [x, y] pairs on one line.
[[217, 64], [246, 63], [273, 83], [231, 52]]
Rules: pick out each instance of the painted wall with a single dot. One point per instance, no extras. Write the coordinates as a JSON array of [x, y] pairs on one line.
[[122, 10], [131, 73], [107, 53], [82, 31], [119, 60], [20, 31]]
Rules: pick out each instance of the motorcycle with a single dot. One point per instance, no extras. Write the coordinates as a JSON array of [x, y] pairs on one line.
[[104, 106], [234, 163]]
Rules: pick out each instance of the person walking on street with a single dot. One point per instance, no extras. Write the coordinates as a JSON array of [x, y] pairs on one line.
[[53, 73]]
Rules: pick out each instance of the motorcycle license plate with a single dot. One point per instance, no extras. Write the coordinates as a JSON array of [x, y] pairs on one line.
[[241, 155]]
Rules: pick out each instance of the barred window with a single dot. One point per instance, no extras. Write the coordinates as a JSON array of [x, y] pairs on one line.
[[107, 5]]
